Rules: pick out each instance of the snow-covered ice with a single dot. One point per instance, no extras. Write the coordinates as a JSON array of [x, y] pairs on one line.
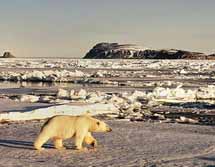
[[43, 113]]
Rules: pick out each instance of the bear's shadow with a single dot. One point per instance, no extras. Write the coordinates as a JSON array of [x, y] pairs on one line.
[[28, 145], [20, 144]]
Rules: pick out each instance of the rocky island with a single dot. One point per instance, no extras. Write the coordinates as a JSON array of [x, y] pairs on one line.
[[131, 51], [7, 55]]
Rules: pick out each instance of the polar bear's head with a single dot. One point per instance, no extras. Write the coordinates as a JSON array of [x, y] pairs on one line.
[[100, 126]]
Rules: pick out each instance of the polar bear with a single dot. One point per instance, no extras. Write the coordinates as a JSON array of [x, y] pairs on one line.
[[59, 128]]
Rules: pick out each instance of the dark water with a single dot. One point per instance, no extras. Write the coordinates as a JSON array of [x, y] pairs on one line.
[[49, 88]]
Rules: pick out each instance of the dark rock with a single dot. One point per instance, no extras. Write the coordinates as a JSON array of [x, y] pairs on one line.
[[212, 56], [7, 55], [129, 51]]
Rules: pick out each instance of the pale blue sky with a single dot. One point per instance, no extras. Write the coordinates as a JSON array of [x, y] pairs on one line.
[[69, 28]]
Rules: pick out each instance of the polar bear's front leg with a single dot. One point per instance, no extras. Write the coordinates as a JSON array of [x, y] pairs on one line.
[[89, 139], [79, 138]]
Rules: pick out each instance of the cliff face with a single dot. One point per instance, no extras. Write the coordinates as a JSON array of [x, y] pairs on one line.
[[128, 51]]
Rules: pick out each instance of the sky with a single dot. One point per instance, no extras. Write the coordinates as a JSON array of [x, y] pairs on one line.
[[69, 28]]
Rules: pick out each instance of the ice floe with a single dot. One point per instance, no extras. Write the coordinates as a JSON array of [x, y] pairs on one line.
[[178, 94], [41, 76], [43, 113]]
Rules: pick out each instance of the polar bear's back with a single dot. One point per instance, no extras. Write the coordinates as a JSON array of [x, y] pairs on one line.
[[63, 126]]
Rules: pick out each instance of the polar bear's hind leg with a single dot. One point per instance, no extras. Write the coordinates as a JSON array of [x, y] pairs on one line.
[[58, 143], [41, 139]]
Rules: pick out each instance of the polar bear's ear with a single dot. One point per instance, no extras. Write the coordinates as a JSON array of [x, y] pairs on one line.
[[87, 113]]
